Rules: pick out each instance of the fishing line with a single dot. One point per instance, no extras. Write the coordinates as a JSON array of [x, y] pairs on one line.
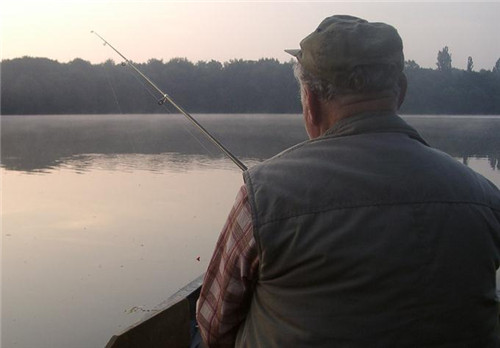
[[146, 87], [111, 85], [112, 89], [164, 97]]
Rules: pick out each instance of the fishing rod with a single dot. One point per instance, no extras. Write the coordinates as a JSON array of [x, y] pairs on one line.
[[165, 97]]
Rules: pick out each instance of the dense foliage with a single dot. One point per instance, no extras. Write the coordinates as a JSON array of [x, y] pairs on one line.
[[44, 86]]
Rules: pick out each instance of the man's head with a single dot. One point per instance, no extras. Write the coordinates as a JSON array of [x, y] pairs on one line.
[[350, 63]]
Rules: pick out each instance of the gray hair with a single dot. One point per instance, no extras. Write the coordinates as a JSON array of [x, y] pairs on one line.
[[360, 80]]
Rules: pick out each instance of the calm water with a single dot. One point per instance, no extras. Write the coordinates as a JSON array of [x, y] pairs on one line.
[[104, 217]]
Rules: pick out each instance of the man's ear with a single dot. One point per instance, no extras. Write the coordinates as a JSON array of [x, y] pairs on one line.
[[312, 113], [403, 86], [313, 108]]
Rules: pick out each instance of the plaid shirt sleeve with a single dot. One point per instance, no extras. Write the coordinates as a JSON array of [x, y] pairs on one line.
[[228, 285]]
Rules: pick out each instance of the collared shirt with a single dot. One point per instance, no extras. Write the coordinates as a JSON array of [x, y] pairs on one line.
[[230, 277]]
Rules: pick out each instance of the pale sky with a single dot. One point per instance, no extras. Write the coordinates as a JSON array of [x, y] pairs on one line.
[[224, 30]]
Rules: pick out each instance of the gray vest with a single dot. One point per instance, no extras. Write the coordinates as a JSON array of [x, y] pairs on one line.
[[367, 237]]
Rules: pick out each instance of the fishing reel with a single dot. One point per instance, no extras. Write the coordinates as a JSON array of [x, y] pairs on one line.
[[162, 100]]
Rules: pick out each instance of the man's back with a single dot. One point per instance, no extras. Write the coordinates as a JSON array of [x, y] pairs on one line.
[[368, 237]]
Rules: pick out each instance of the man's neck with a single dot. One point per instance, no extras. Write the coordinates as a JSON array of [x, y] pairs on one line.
[[348, 106]]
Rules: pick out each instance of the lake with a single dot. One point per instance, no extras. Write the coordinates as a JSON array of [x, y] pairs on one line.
[[105, 216]]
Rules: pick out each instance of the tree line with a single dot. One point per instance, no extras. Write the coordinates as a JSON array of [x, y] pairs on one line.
[[44, 86]]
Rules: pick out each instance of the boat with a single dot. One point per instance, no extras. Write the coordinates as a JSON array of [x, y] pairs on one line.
[[171, 324]]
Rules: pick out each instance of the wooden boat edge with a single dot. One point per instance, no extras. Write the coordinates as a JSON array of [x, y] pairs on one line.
[[169, 325]]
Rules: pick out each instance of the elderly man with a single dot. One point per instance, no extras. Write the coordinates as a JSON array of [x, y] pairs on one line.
[[363, 236]]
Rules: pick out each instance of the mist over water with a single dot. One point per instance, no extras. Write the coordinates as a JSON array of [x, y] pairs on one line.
[[105, 216], [39, 143]]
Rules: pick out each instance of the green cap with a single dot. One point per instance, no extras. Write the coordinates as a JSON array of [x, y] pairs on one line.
[[342, 42]]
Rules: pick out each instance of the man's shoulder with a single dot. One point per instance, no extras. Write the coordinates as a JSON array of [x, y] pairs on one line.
[[291, 154]]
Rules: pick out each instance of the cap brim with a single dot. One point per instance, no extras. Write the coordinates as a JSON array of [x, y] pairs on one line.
[[293, 52]]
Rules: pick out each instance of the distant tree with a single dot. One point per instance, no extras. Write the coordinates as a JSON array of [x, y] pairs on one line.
[[444, 60], [411, 64], [470, 64], [496, 68], [43, 86]]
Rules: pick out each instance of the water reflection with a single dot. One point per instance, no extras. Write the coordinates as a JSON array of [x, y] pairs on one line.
[[462, 137], [38, 143], [80, 251], [127, 163]]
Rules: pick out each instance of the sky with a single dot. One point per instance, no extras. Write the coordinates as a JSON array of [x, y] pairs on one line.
[[225, 30]]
